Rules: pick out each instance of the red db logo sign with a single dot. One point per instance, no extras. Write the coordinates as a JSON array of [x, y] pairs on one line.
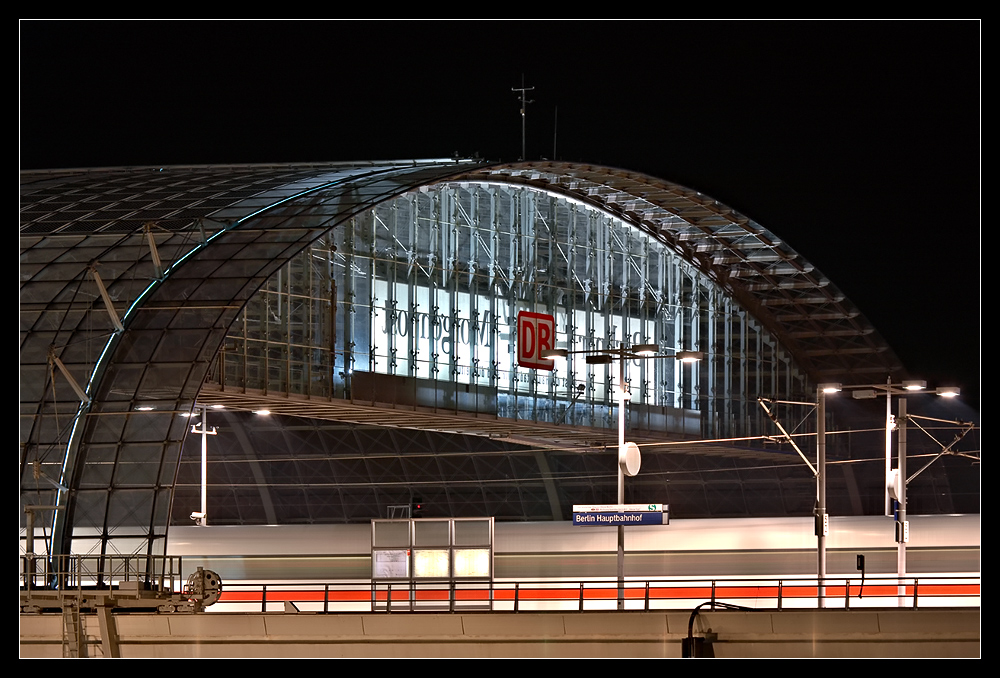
[[535, 333]]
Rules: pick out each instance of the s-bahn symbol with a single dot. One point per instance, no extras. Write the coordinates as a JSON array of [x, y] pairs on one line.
[[536, 332]]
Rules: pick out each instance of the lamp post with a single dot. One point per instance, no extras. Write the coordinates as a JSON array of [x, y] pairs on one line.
[[628, 457], [821, 519], [201, 517], [895, 479]]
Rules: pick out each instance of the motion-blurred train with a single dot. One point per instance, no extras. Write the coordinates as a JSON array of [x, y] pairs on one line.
[[706, 548]]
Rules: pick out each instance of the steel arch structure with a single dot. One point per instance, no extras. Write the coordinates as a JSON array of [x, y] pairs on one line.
[[828, 335], [130, 279], [180, 250]]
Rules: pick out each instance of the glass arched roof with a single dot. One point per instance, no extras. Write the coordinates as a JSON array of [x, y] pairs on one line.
[[131, 276], [829, 337]]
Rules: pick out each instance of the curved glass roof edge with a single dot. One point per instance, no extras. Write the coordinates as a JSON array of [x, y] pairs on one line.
[[96, 367], [698, 232]]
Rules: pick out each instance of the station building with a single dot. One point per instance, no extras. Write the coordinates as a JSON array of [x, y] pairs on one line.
[[373, 309]]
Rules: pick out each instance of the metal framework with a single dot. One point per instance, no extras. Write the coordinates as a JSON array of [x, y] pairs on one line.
[[380, 278]]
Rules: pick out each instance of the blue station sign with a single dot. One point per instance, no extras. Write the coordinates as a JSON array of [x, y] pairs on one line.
[[612, 515]]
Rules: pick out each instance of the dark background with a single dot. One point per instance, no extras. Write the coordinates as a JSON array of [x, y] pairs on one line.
[[856, 142]]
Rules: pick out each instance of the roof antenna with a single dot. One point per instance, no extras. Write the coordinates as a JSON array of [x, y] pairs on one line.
[[555, 134], [524, 104]]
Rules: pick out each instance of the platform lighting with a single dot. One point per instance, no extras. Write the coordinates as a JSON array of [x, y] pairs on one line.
[[628, 453], [822, 519], [896, 477], [201, 517]]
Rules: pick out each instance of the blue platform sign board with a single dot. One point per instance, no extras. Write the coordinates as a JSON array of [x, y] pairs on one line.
[[612, 515]]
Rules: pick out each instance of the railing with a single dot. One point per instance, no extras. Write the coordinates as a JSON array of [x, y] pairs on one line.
[[138, 575], [94, 573], [590, 595]]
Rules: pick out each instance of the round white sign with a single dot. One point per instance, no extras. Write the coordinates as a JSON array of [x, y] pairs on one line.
[[629, 459]]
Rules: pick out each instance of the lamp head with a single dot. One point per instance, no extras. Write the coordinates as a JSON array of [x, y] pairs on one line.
[[645, 350]]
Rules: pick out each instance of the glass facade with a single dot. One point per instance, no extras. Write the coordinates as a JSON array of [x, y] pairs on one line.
[[416, 301]]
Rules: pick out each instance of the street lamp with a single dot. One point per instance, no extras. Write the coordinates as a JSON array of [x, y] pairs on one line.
[[201, 517], [896, 480], [628, 453], [201, 428], [822, 520]]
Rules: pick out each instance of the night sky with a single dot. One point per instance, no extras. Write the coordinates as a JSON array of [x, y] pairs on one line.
[[858, 143]]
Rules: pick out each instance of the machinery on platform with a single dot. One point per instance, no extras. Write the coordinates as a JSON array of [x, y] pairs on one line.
[[80, 583]]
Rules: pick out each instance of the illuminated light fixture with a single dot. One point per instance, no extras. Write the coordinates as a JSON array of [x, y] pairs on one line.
[[948, 391], [915, 385], [601, 359], [829, 388], [555, 354], [689, 356], [144, 408], [262, 413], [645, 349]]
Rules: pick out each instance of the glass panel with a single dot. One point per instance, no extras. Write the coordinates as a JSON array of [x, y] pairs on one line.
[[391, 533], [431, 533], [472, 562], [430, 563], [472, 532]]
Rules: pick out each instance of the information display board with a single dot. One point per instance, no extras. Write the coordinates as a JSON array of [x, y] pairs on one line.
[[390, 563]]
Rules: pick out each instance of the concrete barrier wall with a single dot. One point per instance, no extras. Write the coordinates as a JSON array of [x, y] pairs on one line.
[[942, 632]]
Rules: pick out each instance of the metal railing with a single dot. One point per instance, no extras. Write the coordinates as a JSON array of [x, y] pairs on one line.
[[143, 577], [90, 575], [598, 595]]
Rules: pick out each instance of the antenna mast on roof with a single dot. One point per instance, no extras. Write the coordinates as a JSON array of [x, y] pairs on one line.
[[524, 104]]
